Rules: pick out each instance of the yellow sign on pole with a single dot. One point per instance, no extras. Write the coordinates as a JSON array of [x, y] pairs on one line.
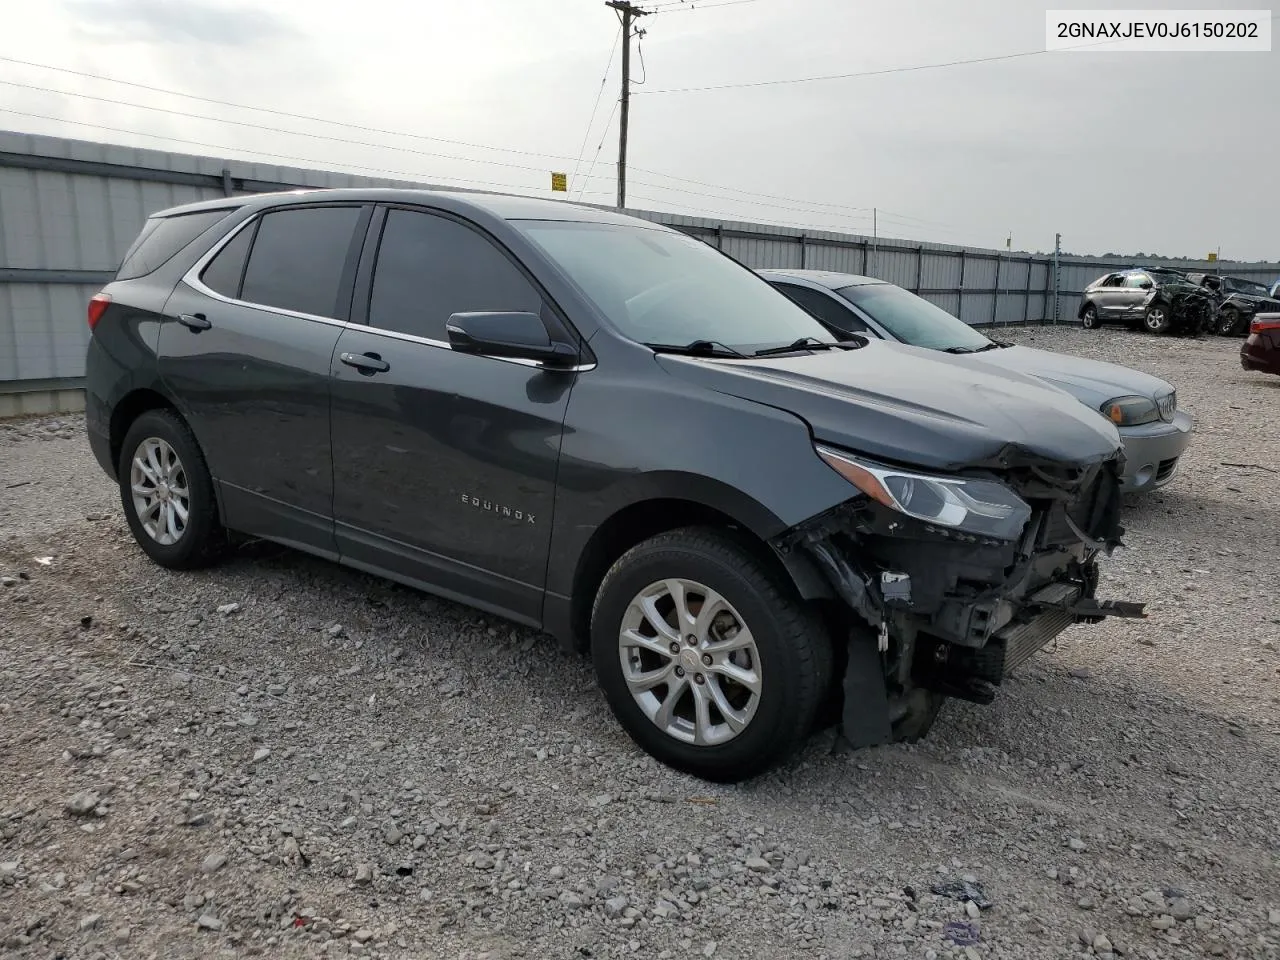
[[1212, 256], [560, 182]]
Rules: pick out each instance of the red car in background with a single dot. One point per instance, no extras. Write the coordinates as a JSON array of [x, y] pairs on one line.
[[1261, 351]]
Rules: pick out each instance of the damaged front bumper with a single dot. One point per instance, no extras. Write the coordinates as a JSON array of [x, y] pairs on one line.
[[937, 613]]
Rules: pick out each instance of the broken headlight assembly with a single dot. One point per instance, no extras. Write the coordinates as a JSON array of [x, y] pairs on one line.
[[982, 507], [1130, 411]]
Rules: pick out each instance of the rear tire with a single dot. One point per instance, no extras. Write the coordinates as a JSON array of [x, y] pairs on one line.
[[167, 493], [778, 646], [1156, 319], [1089, 319]]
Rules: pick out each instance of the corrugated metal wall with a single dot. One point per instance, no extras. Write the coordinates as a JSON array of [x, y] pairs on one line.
[[70, 208]]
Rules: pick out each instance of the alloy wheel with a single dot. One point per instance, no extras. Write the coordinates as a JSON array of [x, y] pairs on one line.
[[161, 494], [690, 662]]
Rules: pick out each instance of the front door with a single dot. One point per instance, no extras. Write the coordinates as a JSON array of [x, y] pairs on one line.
[[444, 463], [245, 349]]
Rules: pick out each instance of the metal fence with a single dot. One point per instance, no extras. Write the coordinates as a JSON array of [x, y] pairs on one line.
[[70, 208]]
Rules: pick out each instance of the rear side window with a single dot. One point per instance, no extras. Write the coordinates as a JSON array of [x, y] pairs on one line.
[[161, 238], [430, 267], [226, 270], [297, 259]]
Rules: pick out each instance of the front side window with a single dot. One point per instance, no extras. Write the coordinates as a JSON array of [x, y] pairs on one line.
[[824, 307], [161, 238], [913, 319], [430, 267], [657, 286], [297, 259]]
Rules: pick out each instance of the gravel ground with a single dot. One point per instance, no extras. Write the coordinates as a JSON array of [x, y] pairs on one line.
[[281, 757]]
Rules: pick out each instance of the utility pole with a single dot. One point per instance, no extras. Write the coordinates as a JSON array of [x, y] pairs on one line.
[[875, 240], [1057, 251], [628, 11]]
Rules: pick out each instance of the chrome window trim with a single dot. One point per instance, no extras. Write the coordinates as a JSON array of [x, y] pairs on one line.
[[192, 279]]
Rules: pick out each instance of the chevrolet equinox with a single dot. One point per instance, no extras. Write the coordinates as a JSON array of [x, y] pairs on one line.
[[603, 428]]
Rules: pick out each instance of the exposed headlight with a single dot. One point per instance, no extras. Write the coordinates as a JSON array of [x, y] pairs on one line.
[[1130, 411], [981, 507]]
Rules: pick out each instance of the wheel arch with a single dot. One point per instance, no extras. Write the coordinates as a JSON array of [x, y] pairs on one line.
[[128, 409], [640, 519]]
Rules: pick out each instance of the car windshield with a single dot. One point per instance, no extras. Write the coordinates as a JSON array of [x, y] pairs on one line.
[[912, 319], [657, 286], [1231, 285]]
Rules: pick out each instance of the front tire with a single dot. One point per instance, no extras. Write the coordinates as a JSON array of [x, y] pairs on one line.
[[1228, 322], [1156, 319], [706, 656], [1089, 319], [167, 493]]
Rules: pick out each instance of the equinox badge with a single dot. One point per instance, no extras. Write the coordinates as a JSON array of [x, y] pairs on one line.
[[498, 508]]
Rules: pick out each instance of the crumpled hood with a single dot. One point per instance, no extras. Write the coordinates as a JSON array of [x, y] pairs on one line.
[[910, 405], [1093, 382]]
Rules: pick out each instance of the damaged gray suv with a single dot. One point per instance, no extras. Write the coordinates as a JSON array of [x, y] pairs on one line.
[[602, 428]]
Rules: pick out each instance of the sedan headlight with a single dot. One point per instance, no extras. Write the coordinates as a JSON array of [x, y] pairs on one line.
[[981, 507], [1130, 411]]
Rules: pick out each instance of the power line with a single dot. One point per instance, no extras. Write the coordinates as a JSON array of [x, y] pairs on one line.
[[600, 146], [317, 164], [281, 113], [868, 73], [748, 194], [596, 106], [271, 129], [694, 5]]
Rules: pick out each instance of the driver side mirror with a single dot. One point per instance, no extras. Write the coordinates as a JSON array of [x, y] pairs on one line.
[[1145, 284], [508, 334]]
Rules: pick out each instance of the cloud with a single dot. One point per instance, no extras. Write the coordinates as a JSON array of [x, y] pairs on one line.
[[178, 21]]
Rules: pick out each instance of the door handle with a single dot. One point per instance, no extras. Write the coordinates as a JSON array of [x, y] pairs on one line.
[[366, 363], [194, 322]]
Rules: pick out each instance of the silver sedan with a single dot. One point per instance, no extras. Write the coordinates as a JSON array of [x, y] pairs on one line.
[[1143, 408]]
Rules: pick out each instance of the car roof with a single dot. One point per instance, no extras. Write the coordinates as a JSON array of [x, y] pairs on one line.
[[830, 279], [502, 206]]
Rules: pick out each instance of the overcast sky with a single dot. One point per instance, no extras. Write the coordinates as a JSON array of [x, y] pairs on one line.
[[1156, 152]]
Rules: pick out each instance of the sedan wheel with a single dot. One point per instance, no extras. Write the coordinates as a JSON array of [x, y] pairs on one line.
[[1089, 319], [690, 662], [706, 655]]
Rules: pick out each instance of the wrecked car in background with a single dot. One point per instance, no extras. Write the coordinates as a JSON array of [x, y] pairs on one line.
[[749, 523], [1237, 300], [1148, 298]]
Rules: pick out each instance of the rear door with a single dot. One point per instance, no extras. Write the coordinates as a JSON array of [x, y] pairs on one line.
[[1133, 294], [444, 463], [245, 349]]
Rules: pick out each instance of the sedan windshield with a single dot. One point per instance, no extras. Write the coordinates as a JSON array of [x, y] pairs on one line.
[[660, 287], [913, 319]]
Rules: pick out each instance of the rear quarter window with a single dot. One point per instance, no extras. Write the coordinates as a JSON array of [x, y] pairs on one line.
[[161, 238]]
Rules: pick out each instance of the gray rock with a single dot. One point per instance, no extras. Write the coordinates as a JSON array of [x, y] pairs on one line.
[[121, 935], [1182, 909], [363, 935], [261, 754], [710, 949], [1273, 917], [213, 863], [392, 835], [91, 921], [1163, 922], [82, 803], [615, 906], [571, 900], [1075, 843], [207, 922], [364, 874], [972, 910], [227, 609], [482, 861], [758, 865]]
